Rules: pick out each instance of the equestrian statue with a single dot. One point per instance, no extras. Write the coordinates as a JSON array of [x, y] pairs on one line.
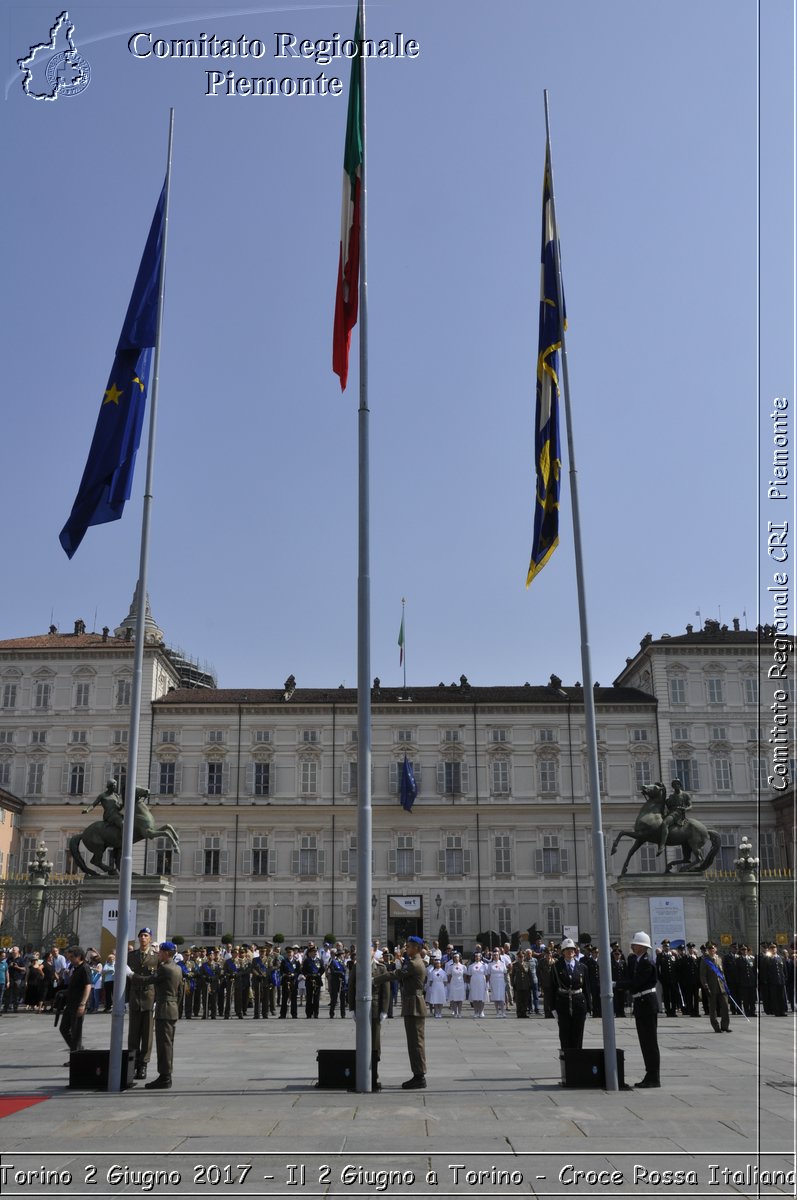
[[106, 834], [663, 819]]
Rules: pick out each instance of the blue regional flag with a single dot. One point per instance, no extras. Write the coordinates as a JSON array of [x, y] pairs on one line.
[[108, 477], [547, 451], [409, 788]]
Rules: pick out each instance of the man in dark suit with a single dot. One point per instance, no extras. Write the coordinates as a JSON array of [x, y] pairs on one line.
[[570, 996], [412, 980], [642, 985], [141, 1001], [168, 981]]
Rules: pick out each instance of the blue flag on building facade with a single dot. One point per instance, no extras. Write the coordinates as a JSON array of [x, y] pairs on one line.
[[547, 451], [108, 477], [408, 788]]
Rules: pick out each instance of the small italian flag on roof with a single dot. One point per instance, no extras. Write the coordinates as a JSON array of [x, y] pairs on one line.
[[347, 296]]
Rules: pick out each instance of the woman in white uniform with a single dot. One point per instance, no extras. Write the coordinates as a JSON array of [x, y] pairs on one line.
[[476, 976], [436, 987], [497, 980], [456, 984]]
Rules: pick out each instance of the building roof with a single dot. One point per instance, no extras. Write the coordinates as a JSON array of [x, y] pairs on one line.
[[448, 694], [10, 802], [65, 641], [713, 635]]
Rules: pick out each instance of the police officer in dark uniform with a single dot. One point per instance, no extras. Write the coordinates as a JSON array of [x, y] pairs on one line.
[[666, 964], [336, 982], [313, 975], [619, 981], [642, 984], [242, 984], [289, 974], [688, 976], [260, 973], [571, 996]]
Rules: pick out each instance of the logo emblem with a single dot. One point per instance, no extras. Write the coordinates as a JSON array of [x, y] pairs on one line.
[[65, 73]]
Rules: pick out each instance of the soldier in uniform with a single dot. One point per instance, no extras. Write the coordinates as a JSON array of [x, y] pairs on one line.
[[666, 969], [208, 983], [412, 980], [545, 963], [229, 976], [380, 996], [747, 982], [242, 982], [594, 976], [571, 996], [521, 983], [712, 978], [168, 983], [642, 985], [188, 969], [141, 1001]]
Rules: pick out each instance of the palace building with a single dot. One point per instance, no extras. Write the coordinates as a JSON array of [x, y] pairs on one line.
[[261, 783]]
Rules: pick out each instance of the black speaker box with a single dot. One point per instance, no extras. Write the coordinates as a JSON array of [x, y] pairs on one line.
[[88, 1069], [336, 1069], [584, 1068]]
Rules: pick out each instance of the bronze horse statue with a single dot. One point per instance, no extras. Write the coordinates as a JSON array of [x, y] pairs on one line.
[[100, 836], [691, 834]]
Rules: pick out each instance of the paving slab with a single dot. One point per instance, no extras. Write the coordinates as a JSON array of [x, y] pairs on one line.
[[245, 1094]]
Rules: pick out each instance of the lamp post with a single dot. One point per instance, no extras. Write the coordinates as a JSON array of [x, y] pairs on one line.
[[438, 901], [746, 867], [39, 872]]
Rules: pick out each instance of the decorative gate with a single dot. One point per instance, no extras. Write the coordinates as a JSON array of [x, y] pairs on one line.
[[42, 920]]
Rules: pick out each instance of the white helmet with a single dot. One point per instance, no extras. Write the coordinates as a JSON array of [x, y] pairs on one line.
[[641, 939], [568, 944]]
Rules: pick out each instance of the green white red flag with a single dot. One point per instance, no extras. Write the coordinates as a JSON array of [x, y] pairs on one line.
[[347, 296]]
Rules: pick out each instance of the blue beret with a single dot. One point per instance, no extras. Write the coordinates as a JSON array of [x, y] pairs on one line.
[[416, 941], [145, 930], [170, 946]]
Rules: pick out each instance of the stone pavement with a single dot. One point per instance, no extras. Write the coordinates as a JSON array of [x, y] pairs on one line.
[[244, 1115]]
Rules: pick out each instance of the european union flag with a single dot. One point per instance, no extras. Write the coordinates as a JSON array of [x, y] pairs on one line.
[[108, 477], [409, 789], [547, 452]]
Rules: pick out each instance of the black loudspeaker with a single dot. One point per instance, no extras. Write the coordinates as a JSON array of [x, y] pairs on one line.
[[88, 1069], [336, 1069], [584, 1068]]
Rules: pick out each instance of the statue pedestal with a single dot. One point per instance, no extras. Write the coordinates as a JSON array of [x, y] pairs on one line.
[[634, 893], [99, 900]]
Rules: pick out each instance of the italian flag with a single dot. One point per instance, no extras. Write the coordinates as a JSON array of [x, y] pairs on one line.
[[347, 296]]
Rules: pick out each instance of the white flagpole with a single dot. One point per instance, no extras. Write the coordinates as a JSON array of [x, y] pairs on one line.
[[607, 1009], [364, 834], [126, 865]]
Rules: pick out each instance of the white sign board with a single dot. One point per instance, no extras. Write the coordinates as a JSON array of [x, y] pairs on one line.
[[110, 912], [667, 919], [404, 906]]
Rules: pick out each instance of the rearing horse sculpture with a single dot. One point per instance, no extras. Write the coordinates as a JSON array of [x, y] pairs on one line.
[[691, 834], [100, 836]]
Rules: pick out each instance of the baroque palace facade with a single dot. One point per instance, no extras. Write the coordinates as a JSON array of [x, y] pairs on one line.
[[261, 783]]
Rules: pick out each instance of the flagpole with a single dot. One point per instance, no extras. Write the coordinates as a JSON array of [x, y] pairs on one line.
[[126, 865], [364, 832], [404, 643], [599, 856]]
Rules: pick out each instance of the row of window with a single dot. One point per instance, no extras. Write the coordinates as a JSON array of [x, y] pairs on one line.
[[452, 778], [42, 695], [715, 691]]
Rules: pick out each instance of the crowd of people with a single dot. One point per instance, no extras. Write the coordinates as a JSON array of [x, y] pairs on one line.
[[270, 980], [164, 985]]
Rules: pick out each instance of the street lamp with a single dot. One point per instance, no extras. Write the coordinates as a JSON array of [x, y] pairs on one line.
[[746, 866], [438, 901]]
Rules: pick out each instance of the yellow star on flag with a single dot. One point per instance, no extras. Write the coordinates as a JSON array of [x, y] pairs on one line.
[[112, 395]]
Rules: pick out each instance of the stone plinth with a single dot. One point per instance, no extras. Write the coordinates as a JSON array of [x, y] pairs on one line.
[[151, 894], [635, 891]]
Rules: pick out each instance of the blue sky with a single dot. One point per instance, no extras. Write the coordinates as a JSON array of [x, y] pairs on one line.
[[254, 534]]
